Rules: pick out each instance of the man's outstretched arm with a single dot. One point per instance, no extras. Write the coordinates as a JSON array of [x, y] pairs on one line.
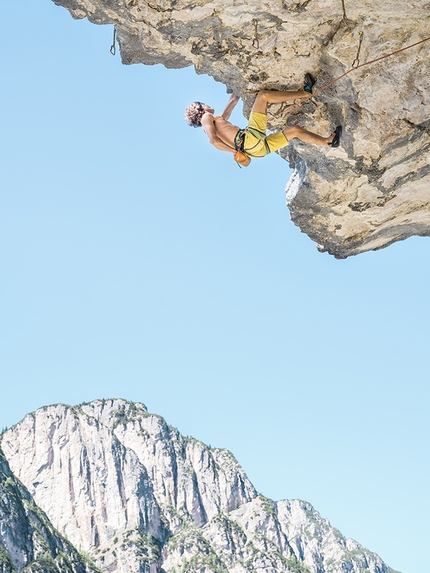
[[230, 106]]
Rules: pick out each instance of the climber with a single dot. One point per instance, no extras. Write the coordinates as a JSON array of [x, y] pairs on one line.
[[252, 140]]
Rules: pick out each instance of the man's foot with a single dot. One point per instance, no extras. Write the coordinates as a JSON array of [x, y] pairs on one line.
[[310, 81], [336, 137]]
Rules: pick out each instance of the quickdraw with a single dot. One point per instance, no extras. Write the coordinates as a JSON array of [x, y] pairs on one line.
[[356, 62], [113, 47], [255, 41], [345, 18]]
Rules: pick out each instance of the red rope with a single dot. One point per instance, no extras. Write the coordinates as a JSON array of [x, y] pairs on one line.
[[290, 107]]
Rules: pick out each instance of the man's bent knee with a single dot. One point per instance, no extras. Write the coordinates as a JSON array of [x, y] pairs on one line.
[[261, 101], [263, 95], [291, 132]]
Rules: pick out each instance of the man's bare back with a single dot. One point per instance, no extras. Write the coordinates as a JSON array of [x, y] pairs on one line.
[[225, 130], [220, 131]]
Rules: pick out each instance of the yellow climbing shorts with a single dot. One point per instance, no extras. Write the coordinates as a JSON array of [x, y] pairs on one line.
[[257, 143]]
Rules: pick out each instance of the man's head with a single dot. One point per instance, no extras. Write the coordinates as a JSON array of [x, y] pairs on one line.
[[194, 113]]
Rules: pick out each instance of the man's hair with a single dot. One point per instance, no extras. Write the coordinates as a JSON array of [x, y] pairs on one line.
[[194, 114]]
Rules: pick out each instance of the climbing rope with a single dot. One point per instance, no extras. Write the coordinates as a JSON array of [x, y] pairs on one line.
[[355, 66], [113, 47]]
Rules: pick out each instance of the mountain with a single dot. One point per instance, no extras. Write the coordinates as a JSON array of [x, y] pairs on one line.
[[138, 497], [28, 541]]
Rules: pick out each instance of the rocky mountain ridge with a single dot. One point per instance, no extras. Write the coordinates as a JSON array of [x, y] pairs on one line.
[[28, 541], [374, 189], [136, 496]]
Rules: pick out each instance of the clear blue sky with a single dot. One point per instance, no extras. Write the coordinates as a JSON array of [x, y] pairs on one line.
[[139, 262]]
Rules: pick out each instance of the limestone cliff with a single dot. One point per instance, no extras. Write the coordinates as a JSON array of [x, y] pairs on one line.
[[139, 497], [27, 538], [375, 189]]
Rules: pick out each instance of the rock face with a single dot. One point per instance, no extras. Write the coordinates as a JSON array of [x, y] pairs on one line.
[[375, 188], [27, 538], [139, 497]]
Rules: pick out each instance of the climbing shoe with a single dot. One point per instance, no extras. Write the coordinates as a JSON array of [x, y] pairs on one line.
[[337, 135], [309, 83]]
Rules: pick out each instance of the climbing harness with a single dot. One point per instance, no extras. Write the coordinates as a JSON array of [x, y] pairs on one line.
[[355, 66], [113, 47], [255, 41], [241, 157], [239, 140]]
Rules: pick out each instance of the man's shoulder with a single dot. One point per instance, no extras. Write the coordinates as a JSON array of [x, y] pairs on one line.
[[220, 118], [207, 117]]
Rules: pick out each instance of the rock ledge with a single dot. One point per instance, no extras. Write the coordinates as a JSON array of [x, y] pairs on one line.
[[375, 189]]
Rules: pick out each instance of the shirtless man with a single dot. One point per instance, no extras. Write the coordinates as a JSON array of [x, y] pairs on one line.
[[253, 140]]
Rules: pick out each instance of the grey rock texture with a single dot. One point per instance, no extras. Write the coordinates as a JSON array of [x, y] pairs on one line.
[[139, 497], [375, 189], [28, 541]]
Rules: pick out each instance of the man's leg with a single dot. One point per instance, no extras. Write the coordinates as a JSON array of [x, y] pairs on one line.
[[306, 136], [264, 97]]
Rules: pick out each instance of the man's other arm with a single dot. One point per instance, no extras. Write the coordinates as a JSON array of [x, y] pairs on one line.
[[230, 106]]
